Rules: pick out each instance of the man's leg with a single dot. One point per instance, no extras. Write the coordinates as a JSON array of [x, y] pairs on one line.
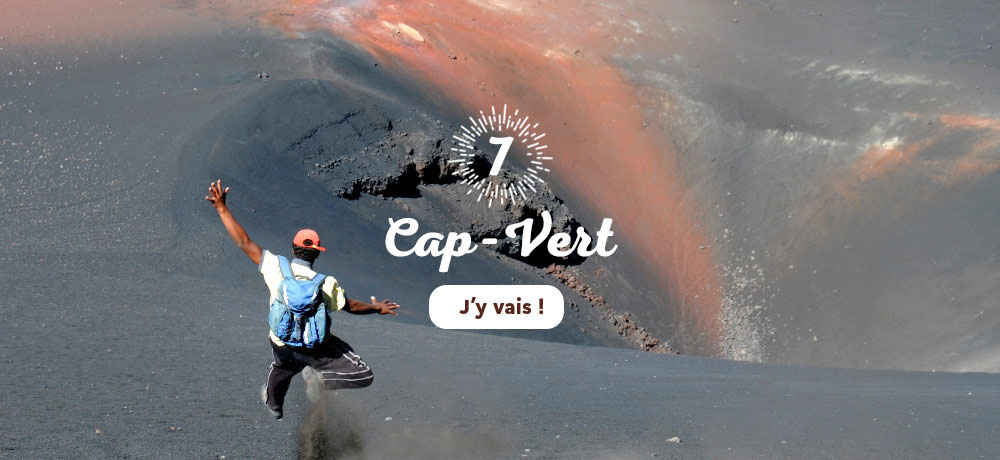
[[279, 376], [339, 366]]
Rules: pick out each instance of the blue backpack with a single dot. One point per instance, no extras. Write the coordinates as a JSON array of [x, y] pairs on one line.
[[298, 316]]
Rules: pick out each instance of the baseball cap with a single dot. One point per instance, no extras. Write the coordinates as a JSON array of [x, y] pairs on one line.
[[307, 238]]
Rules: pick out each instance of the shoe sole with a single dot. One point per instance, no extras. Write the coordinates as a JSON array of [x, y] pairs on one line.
[[314, 384]]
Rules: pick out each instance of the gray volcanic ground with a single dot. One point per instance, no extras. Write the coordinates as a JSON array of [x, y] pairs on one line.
[[132, 328], [846, 156]]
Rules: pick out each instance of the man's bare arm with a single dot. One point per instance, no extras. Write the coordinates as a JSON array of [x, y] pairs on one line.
[[217, 196], [385, 307]]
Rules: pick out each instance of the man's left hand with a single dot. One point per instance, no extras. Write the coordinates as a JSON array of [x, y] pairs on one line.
[[385, 307]]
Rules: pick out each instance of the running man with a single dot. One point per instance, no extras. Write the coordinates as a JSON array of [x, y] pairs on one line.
[[332, 364]]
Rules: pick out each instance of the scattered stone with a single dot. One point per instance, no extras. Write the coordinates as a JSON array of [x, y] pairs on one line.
[[674, 440], [626, 323], [97, 431], [388, 419]]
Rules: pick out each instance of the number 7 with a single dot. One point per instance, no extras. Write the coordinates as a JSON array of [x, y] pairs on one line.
[[504, 143]]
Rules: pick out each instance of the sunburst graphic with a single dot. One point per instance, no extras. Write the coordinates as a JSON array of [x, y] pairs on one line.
[[481, 151]]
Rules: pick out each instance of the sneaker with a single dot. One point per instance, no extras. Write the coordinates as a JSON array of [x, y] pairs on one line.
[[314, 384], [263, 398]]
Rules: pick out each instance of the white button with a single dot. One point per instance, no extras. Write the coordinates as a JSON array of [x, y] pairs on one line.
[[512, 306]]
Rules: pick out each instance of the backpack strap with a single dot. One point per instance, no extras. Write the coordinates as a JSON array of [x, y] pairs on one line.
[[286, 270], [318, 279]]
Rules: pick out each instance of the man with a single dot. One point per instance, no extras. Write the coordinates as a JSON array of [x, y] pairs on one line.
[[332, 364]]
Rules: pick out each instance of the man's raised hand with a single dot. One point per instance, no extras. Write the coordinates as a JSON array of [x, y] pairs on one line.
[[216, 195]]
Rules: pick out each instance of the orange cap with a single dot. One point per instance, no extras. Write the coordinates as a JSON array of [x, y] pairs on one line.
[[307, 238]]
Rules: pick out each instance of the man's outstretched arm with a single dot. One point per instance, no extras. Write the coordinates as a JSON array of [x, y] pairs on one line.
[[217, 196], [385, 307]]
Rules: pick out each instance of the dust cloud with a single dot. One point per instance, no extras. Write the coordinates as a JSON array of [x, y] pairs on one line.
[[333, 431]]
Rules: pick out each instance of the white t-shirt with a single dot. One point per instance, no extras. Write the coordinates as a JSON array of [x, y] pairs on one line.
[[333, 294]]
